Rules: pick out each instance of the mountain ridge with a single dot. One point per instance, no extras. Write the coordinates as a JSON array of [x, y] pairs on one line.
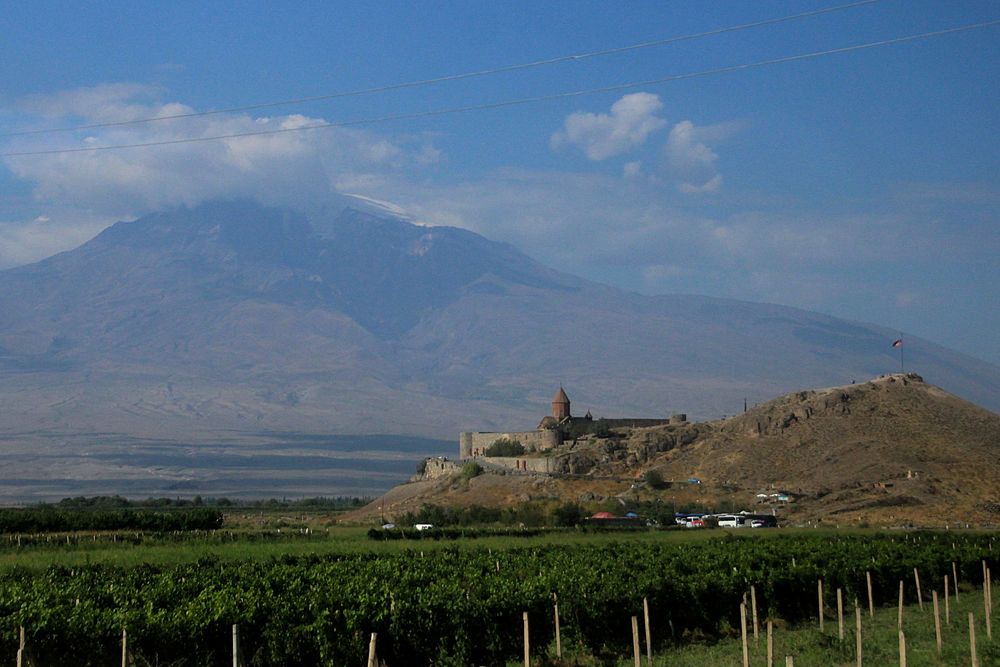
[[229, 319]]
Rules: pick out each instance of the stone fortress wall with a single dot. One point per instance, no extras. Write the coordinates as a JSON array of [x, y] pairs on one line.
[[552, 432], [471, 444]]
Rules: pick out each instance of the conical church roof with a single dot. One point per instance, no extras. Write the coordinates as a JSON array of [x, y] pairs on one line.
[[561, 397]]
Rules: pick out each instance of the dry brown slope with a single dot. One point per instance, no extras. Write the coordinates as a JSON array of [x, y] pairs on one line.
[[891, 451], [892, 447]]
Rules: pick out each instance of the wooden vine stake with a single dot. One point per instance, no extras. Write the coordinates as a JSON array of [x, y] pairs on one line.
[[989, 588], [937, 621], [916, 579], [902, 649], [635, 642], [947, 605], [986, 610], [871, 599], [770, 643], [371, 650], [124, 648], [20, 647], [789, 661], [753, 603], [649, 632], [857, 631], [972, 640], [527, 645], [899, 618], [954, 572], [819, 595], [840, 615], [743, 633], [558, 633], [236, 645]]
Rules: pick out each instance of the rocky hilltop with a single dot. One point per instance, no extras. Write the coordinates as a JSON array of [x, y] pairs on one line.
[[891, 451]]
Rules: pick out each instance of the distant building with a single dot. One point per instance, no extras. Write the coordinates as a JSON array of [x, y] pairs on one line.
[[552, 431]]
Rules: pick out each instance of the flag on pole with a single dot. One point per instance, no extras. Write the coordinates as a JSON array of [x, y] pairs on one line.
[[898, 342]]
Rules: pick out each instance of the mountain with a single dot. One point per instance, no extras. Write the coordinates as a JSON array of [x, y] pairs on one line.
[[232, 322], [891, 451]]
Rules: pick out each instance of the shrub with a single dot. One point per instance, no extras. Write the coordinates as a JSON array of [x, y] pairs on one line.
[[569, 514], [654, 479], [471, 469], [504, 447], [601, 429]]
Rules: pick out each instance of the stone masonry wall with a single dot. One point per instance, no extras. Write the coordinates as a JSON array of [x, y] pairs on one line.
[[473, 443]]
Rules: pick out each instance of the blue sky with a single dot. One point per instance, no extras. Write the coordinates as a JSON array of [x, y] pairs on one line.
[[862, 184]]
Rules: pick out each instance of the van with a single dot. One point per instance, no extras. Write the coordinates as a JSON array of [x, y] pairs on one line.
[[729, 521]]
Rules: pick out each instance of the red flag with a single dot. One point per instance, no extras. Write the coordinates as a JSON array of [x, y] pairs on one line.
[[898, 342]]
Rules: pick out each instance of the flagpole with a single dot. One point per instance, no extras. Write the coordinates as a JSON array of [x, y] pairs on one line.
[[902, 351]]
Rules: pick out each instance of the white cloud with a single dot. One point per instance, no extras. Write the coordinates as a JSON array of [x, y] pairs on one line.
[[283, 168], [690, 158], [632, 119], [711, 185]]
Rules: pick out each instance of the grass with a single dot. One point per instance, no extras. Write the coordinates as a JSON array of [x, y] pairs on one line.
[[809, 647]]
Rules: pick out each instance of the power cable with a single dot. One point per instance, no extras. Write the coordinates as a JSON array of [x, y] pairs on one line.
[[523, 100], [450, 77]]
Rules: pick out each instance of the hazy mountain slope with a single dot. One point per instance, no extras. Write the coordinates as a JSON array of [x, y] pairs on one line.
[[232, 318]]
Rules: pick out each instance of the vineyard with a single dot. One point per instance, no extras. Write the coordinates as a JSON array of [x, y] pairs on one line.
[[460, 603]]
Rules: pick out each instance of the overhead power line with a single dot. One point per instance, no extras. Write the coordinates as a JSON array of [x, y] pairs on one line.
[[523, 100], [451, 77]]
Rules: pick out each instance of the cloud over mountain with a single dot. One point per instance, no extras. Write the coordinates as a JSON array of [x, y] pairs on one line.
[[602, 135]]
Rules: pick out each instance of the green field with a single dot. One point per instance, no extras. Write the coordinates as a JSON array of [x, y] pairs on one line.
[[312, 595]]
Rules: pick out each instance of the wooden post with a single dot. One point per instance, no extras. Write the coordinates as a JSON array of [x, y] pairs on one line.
[[558, 634], [857, 631], [371, 650], [819, 595], [840, 615], [972, 640], [236, 645], [635, 642], [947, 606], [916, 578], [899, 619], [989, 588], [770, 643], [20, 646], [954, 572], [743, 633], [753, 602], [124, 648], [902, 649], [937, 621], [527, 645], [871, 599], [986, 610], [649, 632], [789, 661]]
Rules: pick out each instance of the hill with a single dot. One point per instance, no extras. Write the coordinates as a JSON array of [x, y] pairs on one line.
[[891, 451]]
